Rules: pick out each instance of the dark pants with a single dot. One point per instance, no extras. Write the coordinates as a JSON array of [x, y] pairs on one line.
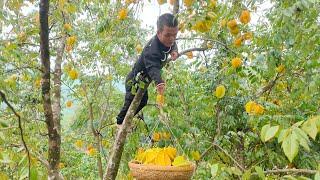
[[128, 99]]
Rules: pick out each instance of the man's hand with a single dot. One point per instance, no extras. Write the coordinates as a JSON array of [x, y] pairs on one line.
[[160, 88], [174, 55]]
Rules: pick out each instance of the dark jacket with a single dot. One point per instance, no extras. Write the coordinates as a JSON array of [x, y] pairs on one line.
[[151, 61]]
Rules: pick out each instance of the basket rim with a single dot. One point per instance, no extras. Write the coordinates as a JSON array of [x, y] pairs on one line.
[[134, 165]]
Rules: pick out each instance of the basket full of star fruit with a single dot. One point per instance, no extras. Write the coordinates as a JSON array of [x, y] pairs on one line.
[[160, 164]]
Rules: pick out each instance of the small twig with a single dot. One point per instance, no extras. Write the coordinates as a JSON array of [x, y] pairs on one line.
[[24, 67], [21, 130], [106, 126], [212, 40], [278, 171], [219, 147]]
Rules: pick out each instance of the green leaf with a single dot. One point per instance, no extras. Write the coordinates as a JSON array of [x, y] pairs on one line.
[[259, 170], [310, 128], [236, 171], [271, 132], [3, 176], [283, 134], [3, 123], [303, 178], [317, 176], [302, 138], [290, 146], [289, 177], [33, 173], [214, 170], [246, 175], [264, 131]]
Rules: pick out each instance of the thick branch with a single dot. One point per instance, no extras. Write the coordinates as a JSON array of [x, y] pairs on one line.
[[117, 149]]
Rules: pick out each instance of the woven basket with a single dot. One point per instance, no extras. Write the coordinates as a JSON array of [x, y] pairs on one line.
[[154, 172]]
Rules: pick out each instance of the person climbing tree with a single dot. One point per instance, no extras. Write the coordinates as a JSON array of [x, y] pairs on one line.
[[150, 62]]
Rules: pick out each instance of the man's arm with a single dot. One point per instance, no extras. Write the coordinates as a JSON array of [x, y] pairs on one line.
[[153, 66]]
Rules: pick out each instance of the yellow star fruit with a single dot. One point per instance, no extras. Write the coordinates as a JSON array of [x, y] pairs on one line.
[[188, 3], [67, 27], [236, 62], [156, 136], [235, 31], [245, 17], [202, 26], [258, 109], [232, 24], [196, 155], [213, 3], [139, 48], [189, 55], [165, 135], [171, 152], [237, 42], [91, 151], [162, 159], [247, 36], [151, 155], [180, 161], [140, 155], [254, 108], [79, 143], [61, 165], [280, 69], [123, 14], [69, 104], [249, 106], [73, 74], [71, 40], [37, 83], [220, 91]]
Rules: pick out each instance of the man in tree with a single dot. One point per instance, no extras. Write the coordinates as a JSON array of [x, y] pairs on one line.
[[149, 64]]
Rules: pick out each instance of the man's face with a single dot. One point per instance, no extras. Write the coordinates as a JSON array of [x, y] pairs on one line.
[[168, 35]]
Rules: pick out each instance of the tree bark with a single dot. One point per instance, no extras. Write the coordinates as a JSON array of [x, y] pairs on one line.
[[54, 136], [117, 149]]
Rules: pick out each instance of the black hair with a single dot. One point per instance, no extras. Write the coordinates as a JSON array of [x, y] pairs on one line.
[[166, 19]]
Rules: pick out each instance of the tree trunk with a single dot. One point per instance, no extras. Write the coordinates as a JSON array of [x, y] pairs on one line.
[[116, 152], [54, 136]]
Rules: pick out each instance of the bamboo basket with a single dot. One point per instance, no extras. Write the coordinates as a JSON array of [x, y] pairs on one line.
[[154, 172]]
